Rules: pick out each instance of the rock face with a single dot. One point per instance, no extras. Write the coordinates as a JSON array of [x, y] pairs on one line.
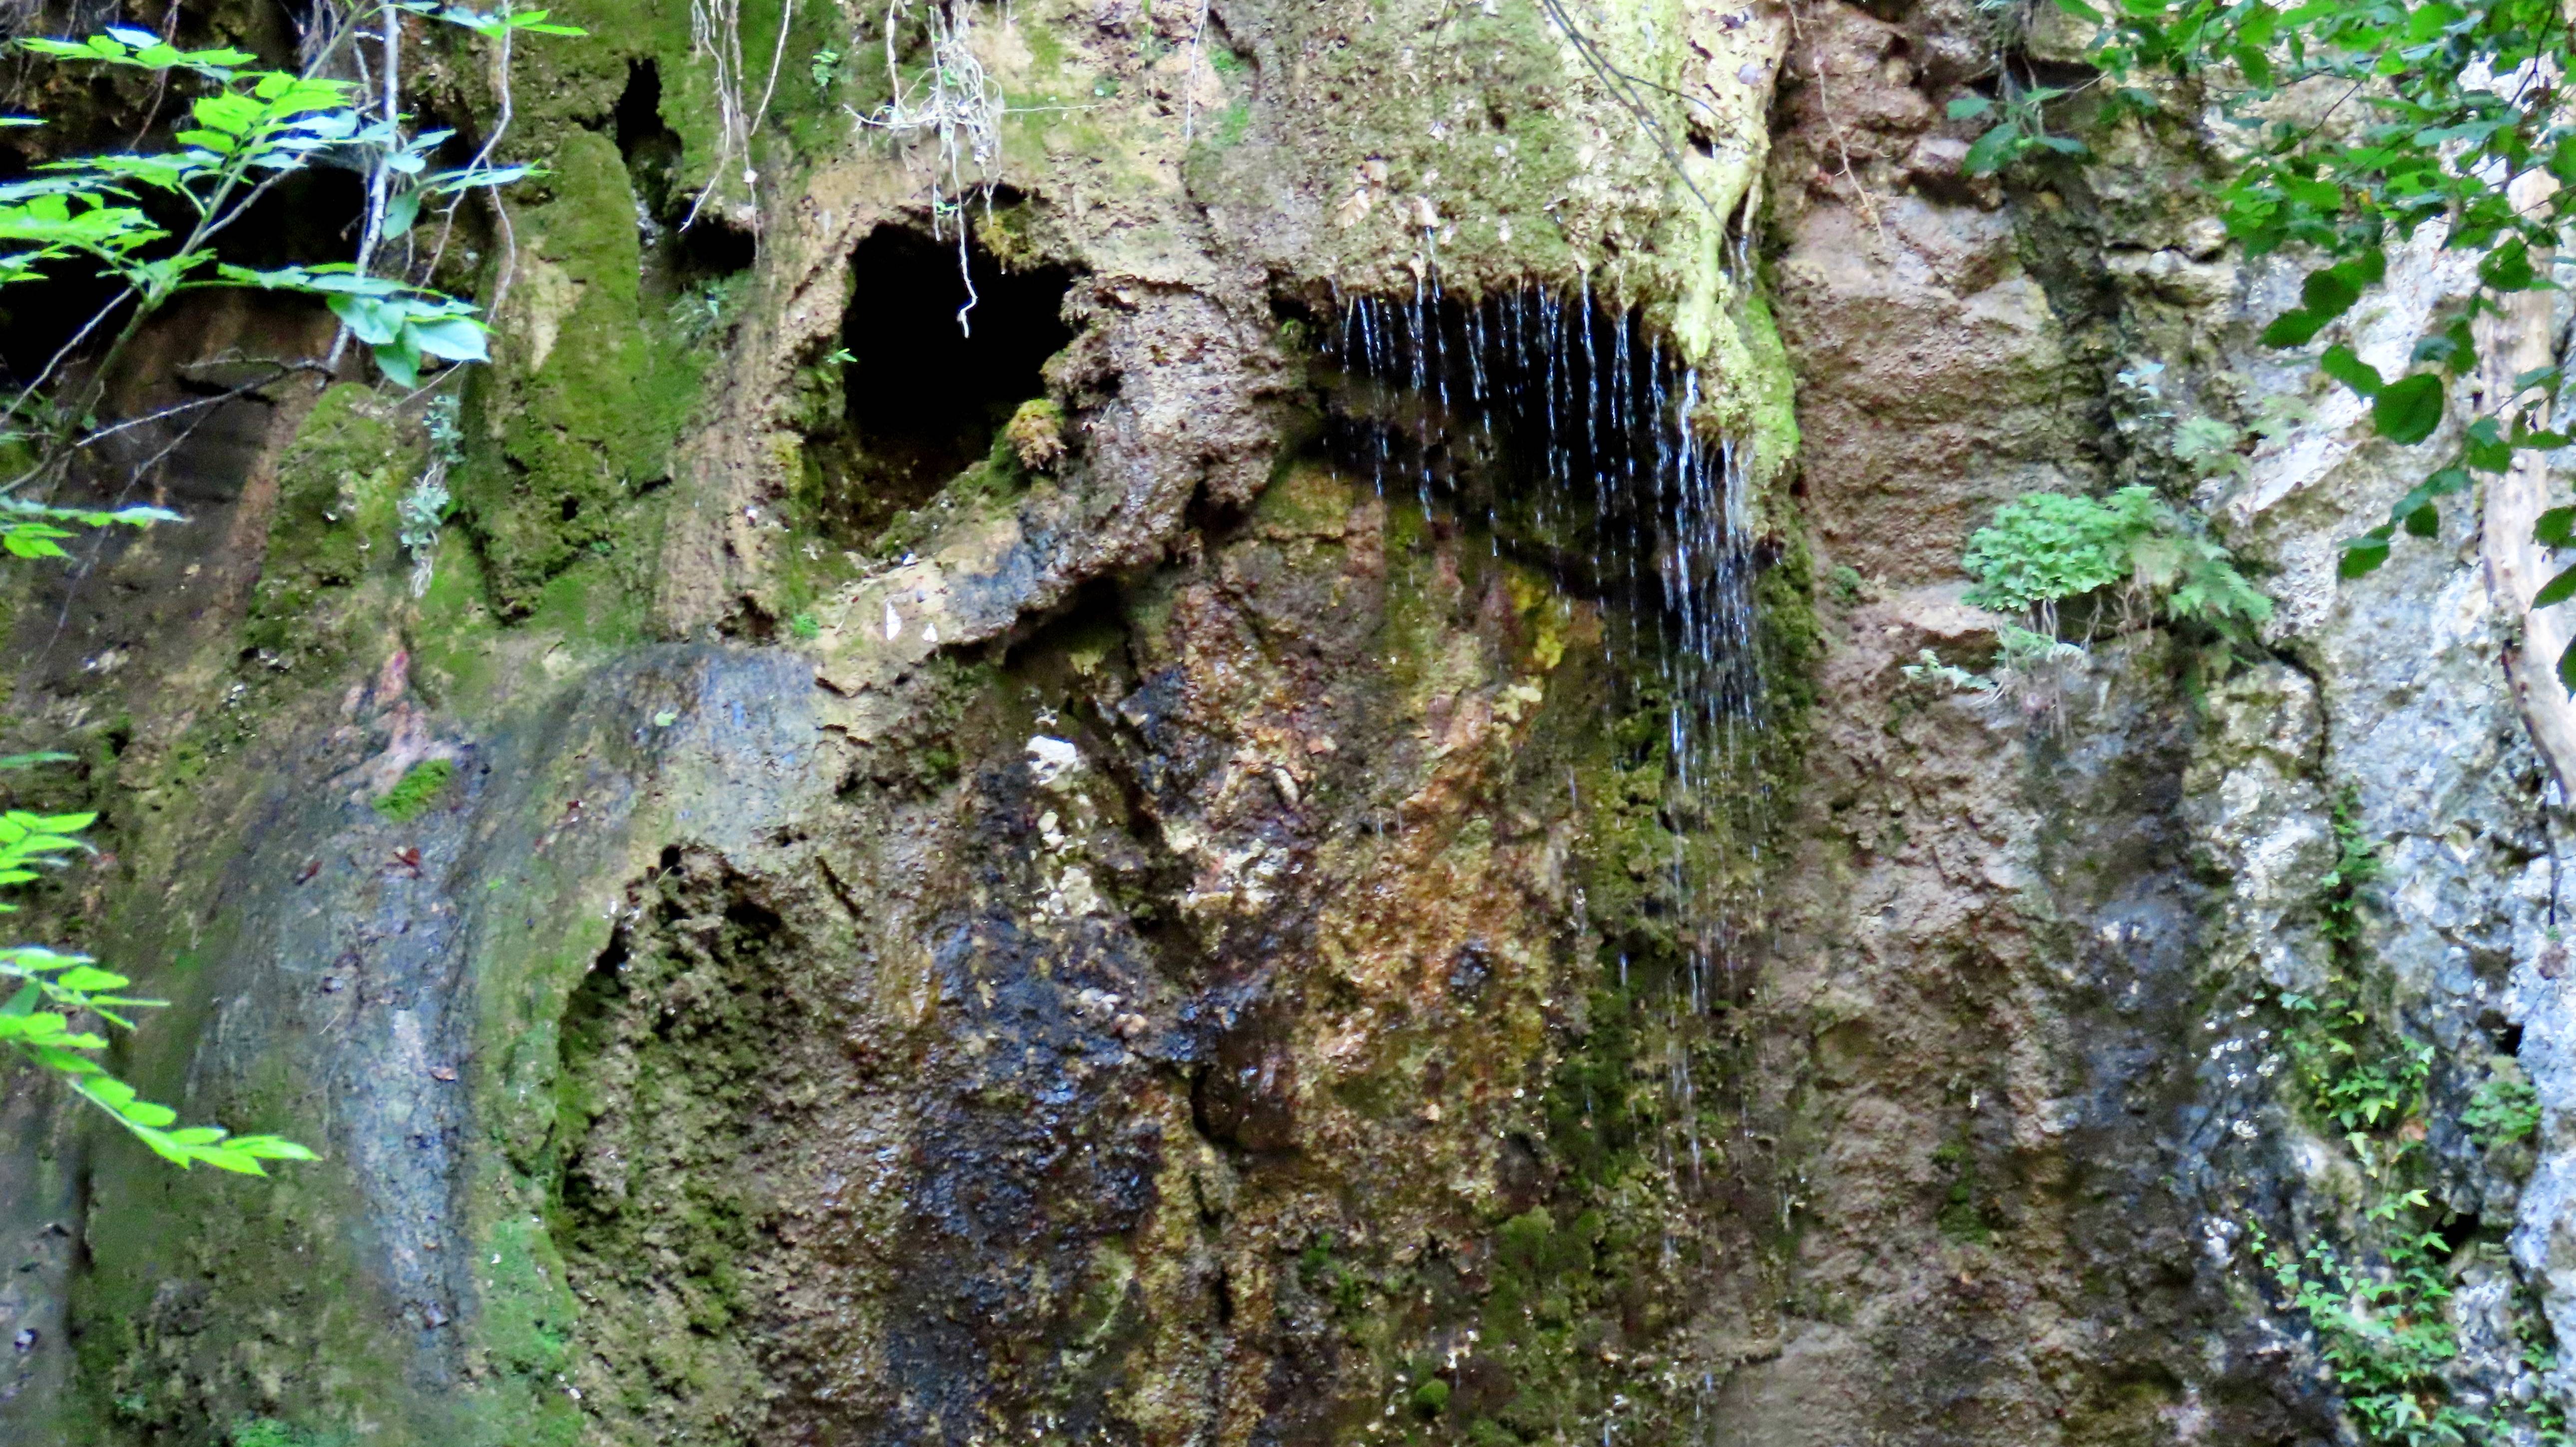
[[1170, 865]]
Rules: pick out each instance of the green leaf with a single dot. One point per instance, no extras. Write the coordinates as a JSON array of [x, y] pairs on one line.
[[400, 213], [456, 339], [2293, 329], [1993, 151], [2556, 591], [29, 761], [2328, 293], [2409, 409], [2508, 268], [2363, 555], [400, 363], [369, 319], [1969, 107], [2556, 527], [2567, 670], [2341, 363]]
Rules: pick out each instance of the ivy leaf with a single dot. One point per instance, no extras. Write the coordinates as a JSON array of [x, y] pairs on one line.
[[2556, 527], [2328, 293], [1993, 151], [2363, 555], [2342, 364], [2556, 591], [2407, 411], [2294, 329]]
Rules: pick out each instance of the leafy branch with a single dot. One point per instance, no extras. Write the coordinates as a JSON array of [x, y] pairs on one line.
[[2447, 116], [55, 988]]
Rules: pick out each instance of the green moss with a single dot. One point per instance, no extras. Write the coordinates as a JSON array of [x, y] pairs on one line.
[[561, 444], [412, 795], [337, 487]]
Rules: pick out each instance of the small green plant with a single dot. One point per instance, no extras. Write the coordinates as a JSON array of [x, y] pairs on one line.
[[703, 311], [2046, 548], [805, 627], [269, 1432], [2505, 1111], [2378, 1302], [2020, 129], [1929, 670], [825, 68], [421, 512], [411, 796]]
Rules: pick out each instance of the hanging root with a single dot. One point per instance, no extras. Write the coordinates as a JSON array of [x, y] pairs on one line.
[[956, 105], [715, 31]]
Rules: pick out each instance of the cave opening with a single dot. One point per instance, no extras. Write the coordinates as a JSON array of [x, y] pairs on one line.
[[681, 250], [927, 382]]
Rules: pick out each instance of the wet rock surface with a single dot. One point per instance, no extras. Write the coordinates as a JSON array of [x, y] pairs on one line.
[[1165, 935]]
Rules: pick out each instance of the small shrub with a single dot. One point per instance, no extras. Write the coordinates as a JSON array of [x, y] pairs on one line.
[[2046, 547], [2506, 1110]]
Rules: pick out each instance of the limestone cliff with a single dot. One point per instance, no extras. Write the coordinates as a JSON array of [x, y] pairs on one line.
[[1230, 763]]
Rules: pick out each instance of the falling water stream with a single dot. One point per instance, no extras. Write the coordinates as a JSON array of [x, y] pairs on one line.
[[1576, 436]]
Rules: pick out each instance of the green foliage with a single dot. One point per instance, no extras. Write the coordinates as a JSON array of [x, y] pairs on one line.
[[805, 627], [2020, 131], [2378, 1302], [53, 988], [30, 530], [411, 796], [2419, 130], [2384, 1336], [2505, 1111], [244, 130], [269, 1432], [2045, 548]]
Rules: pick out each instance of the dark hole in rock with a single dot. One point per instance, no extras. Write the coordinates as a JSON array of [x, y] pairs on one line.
[[679, 251], [2459, 1231], [923, 398]]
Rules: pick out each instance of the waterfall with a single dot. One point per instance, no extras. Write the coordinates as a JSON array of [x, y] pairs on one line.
[[1573, 433]]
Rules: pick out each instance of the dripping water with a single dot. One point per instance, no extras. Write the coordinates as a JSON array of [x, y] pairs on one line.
[[1576, 436]]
